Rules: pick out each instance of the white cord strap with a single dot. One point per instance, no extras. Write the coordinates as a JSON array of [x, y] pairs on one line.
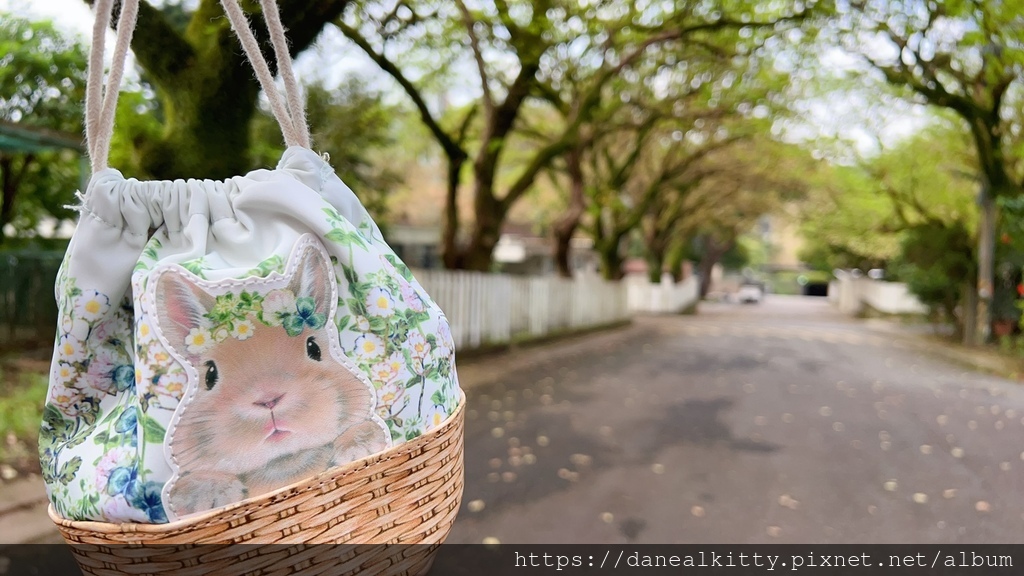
[[291, 114], [101, 105], [296, 105]]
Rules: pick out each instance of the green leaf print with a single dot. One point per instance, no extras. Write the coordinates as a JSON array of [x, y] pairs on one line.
[[152, 430], [346, 238], [69, 469], [400, 266], [343, 322], [197, 267], [273, 264], [437, 398]]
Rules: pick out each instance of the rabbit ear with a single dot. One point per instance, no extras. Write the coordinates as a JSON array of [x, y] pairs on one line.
[[181, 306], [313, 277]]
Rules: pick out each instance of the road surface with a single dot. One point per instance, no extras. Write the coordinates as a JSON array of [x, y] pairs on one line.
[[780, 422]]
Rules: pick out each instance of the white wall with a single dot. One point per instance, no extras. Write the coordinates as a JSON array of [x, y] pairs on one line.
[[667, 297], [851, 294]]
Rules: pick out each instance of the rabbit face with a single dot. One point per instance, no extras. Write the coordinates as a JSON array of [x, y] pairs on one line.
[[265, 398], [272, 403]]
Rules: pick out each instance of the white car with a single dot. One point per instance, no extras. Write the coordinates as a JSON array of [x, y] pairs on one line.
[[750, 294]]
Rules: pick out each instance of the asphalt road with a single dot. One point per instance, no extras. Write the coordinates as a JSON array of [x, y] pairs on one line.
[[779, 422]]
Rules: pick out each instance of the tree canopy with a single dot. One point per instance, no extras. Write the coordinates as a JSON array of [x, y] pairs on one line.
[[42, 86]]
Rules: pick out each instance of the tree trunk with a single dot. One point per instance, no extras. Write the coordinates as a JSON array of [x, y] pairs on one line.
[[9, 189], [655, 263], [450, 233], [676, 256], [969, 320], [565, 227], [656, 244], [490, 215], [7, 200], [207, 86], [713, 252], [986, 265], [611, 261], [207, 130]]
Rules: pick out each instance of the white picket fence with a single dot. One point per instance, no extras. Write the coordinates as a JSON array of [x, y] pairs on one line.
[[667, 297], [493, 309]]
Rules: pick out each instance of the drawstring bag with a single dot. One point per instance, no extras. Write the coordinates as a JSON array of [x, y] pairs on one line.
[[228, 345]]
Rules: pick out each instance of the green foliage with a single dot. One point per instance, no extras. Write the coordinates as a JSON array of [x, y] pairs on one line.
[[858, 215], [42, 86], [355, 128], [22, 396], [42, 75], [964, 57], [138, 120], [737, 257], [938, 264]]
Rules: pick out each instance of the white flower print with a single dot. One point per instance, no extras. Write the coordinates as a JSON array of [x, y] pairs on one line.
[[362, 324], [276, 305], [144, 332], [64, 373], [433, 416], [199, 340], [91, 305], [369, 347], [75, 326], [380, 302], [70, 348], [388, 393], [65, 397], [171, 384], [243, 330], [418, 345], [157, 355], [386, 371]]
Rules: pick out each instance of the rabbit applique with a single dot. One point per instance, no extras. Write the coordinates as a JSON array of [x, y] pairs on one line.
[[273, 399]]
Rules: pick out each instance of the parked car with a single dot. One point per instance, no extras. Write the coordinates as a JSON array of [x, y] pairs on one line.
[[750, 293]]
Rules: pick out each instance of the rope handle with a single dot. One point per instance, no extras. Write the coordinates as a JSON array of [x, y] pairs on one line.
[[291, 115], [101, 103]]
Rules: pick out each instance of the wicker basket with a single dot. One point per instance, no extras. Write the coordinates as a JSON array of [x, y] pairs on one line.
[[390, 511]]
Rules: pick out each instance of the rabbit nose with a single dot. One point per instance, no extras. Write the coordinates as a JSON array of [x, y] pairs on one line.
[[269, 404]]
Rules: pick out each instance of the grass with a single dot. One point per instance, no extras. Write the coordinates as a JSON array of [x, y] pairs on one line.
[[22, 395]]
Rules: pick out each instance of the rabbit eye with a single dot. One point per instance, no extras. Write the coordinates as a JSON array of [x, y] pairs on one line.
[[312, 349], [211, 375]]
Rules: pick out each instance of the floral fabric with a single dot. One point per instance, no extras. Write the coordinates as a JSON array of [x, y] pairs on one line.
[[122, 385]]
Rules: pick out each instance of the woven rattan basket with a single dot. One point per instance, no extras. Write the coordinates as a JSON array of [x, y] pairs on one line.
[[385, 515]]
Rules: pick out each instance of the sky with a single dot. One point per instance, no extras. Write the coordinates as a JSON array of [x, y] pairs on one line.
[[76, 17], [71, 15], [323, 63]]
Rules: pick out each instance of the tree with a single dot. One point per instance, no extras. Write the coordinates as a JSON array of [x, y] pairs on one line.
[[518, 51], [629, 175], [42, 86], [355, 128], [909, 210], [206, 87], [962, 56], [745, 181], [934, 256]]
